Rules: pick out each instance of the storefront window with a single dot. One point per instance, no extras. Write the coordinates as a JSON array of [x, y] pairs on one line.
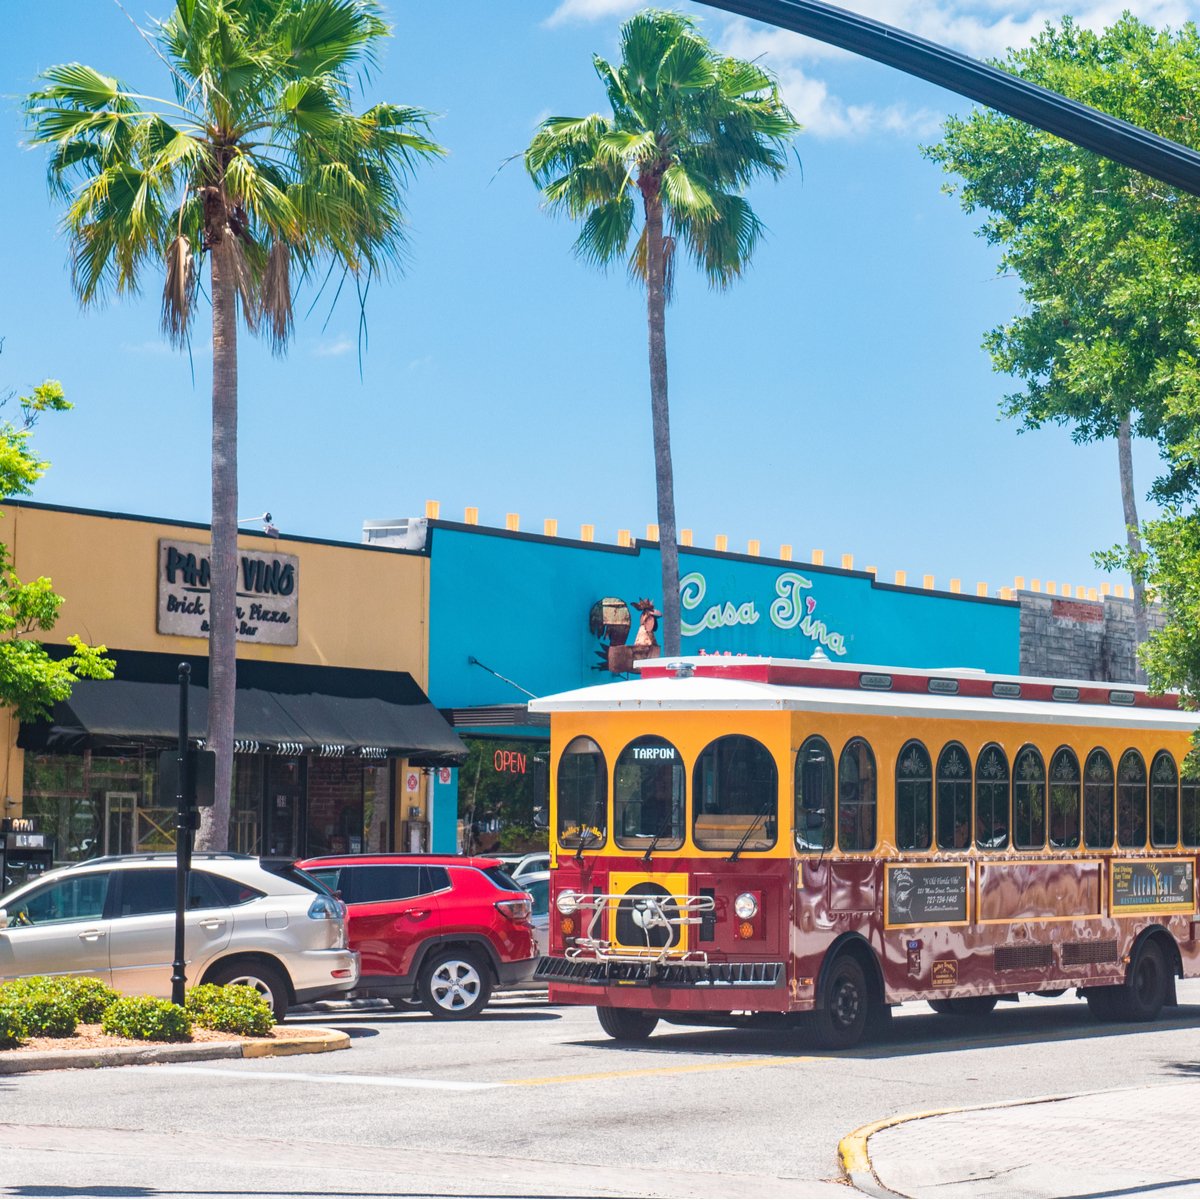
[[377, 807], [245, 819], [335, 806]]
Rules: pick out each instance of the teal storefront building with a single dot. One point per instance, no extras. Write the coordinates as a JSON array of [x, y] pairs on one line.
[[510, 616]]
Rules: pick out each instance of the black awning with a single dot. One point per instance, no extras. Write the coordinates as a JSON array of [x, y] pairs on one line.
[[286, 706]]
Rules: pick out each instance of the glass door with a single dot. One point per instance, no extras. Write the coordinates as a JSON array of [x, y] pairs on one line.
[[284, 817]]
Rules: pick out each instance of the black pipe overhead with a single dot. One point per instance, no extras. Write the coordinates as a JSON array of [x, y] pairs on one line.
[[1088, 127]]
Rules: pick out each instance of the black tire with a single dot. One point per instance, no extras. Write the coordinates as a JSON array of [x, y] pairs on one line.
[[942, 1007], [626, 1024], [455, 985], [1101, 1002], [845, 1002], [405, 1003], [267, 980], [1145, 991], [972, 1006]]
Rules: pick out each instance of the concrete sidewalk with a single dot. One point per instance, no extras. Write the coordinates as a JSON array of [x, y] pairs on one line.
[[1116, 1143]]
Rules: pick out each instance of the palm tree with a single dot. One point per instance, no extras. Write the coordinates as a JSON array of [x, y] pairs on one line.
[[259, 163], [689, 130]]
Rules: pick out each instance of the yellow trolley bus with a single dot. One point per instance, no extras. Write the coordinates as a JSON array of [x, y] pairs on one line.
[[741, 840]]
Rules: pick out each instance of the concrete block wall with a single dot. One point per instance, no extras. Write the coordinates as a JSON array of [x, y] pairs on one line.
[[1080, 639]]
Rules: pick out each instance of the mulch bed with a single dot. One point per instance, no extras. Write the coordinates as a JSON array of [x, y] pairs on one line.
[[90, 1037]]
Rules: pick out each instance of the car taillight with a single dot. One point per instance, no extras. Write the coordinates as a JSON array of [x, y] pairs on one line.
[[325, 908], [519, 910]]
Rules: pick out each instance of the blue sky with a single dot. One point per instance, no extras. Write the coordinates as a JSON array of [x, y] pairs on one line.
[[836, 398]]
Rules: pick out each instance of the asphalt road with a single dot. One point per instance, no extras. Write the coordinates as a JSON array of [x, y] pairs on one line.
[[533, 1100]]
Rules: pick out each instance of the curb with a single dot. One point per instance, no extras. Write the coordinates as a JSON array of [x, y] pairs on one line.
[[854, 1157], [18, 1062]]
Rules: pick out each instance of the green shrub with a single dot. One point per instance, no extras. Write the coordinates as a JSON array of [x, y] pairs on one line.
[[12, 1027], [232, 1008], [44, 1014], [147, 1019], [86, 996]]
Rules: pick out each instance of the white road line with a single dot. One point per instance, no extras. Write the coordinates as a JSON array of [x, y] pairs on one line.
[[392, 1081]]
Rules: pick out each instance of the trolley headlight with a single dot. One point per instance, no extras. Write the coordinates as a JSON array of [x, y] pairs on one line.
[[746, 906], [567, 903]]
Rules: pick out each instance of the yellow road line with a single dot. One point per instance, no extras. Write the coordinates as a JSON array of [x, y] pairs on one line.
[[642, 1072]]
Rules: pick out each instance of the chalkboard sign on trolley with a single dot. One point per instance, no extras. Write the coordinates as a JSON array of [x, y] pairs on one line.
[[918, 895]]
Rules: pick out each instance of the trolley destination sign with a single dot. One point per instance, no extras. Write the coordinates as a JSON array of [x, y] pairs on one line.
[[268, 593]]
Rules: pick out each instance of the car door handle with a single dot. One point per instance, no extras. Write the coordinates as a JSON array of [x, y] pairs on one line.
[[212, 923], [91, 935], [417, 914]]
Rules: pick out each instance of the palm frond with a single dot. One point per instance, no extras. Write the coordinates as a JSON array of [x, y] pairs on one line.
[[179, 291], [276, 297], [605, 233]]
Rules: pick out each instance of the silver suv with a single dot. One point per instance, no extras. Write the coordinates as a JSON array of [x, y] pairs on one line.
[[248, 921]]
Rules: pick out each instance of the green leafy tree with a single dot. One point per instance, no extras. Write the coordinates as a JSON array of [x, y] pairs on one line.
[[1107, 258], [259, 165], [31, 681], [689, 130]]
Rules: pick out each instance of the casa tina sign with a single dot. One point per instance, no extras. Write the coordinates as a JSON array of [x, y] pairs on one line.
[[793, 608], [267, 596]]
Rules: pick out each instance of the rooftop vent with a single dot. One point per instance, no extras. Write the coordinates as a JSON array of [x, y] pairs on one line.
[[401, 533]]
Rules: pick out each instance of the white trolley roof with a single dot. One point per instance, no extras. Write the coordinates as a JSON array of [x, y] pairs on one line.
[[730, 683]]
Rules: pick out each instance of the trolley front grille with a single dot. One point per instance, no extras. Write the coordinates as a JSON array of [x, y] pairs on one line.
[[590, 972]]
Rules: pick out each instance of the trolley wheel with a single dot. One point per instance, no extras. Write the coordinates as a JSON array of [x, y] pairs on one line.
[[626, 1024], [1101, 1002], [455, 985], [842, 1016], [942, 1007], [972, 1006], [1145, 991]]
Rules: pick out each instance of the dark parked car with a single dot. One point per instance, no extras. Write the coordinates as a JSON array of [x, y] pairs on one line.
[[438, 930]]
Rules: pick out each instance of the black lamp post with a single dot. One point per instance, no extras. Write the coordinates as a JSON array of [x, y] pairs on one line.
[[184, 814]]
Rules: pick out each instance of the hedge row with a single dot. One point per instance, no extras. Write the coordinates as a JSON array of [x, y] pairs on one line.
[[52, 1006]]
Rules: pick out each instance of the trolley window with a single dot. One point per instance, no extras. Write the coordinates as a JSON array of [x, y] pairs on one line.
[[1189, 812], [814, 795], [1099, 785], [735, 794], [1131, 800], [991, 799], [953, 798], [648, 795], [582, 795], [1064, 799], [1164, 801], [1029, 800], [914, 798], [856, 796]]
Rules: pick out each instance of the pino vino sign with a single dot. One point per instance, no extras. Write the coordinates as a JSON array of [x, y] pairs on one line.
[[267, 598]]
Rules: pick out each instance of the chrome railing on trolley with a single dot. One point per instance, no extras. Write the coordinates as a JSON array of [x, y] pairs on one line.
[[654, 917]]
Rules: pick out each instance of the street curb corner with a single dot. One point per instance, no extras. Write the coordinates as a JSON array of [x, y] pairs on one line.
[[322, 1041]]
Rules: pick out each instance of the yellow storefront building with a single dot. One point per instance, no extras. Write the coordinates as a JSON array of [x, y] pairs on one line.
[[338, 748]]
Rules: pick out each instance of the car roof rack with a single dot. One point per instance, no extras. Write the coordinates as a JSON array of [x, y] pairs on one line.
[[154, 855]]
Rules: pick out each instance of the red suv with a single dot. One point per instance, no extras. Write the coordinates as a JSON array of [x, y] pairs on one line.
[[437, 930]]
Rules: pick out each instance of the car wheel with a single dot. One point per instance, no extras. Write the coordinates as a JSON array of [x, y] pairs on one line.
[[455, 985], [266, 980], [842, 1017], [626, 1024]]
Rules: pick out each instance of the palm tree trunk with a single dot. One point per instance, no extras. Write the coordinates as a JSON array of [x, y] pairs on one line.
[[664, 479], [1133, 536], [222, 638]]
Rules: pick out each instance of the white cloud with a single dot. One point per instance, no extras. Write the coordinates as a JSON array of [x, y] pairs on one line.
[[590, 10], [340, 345]]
